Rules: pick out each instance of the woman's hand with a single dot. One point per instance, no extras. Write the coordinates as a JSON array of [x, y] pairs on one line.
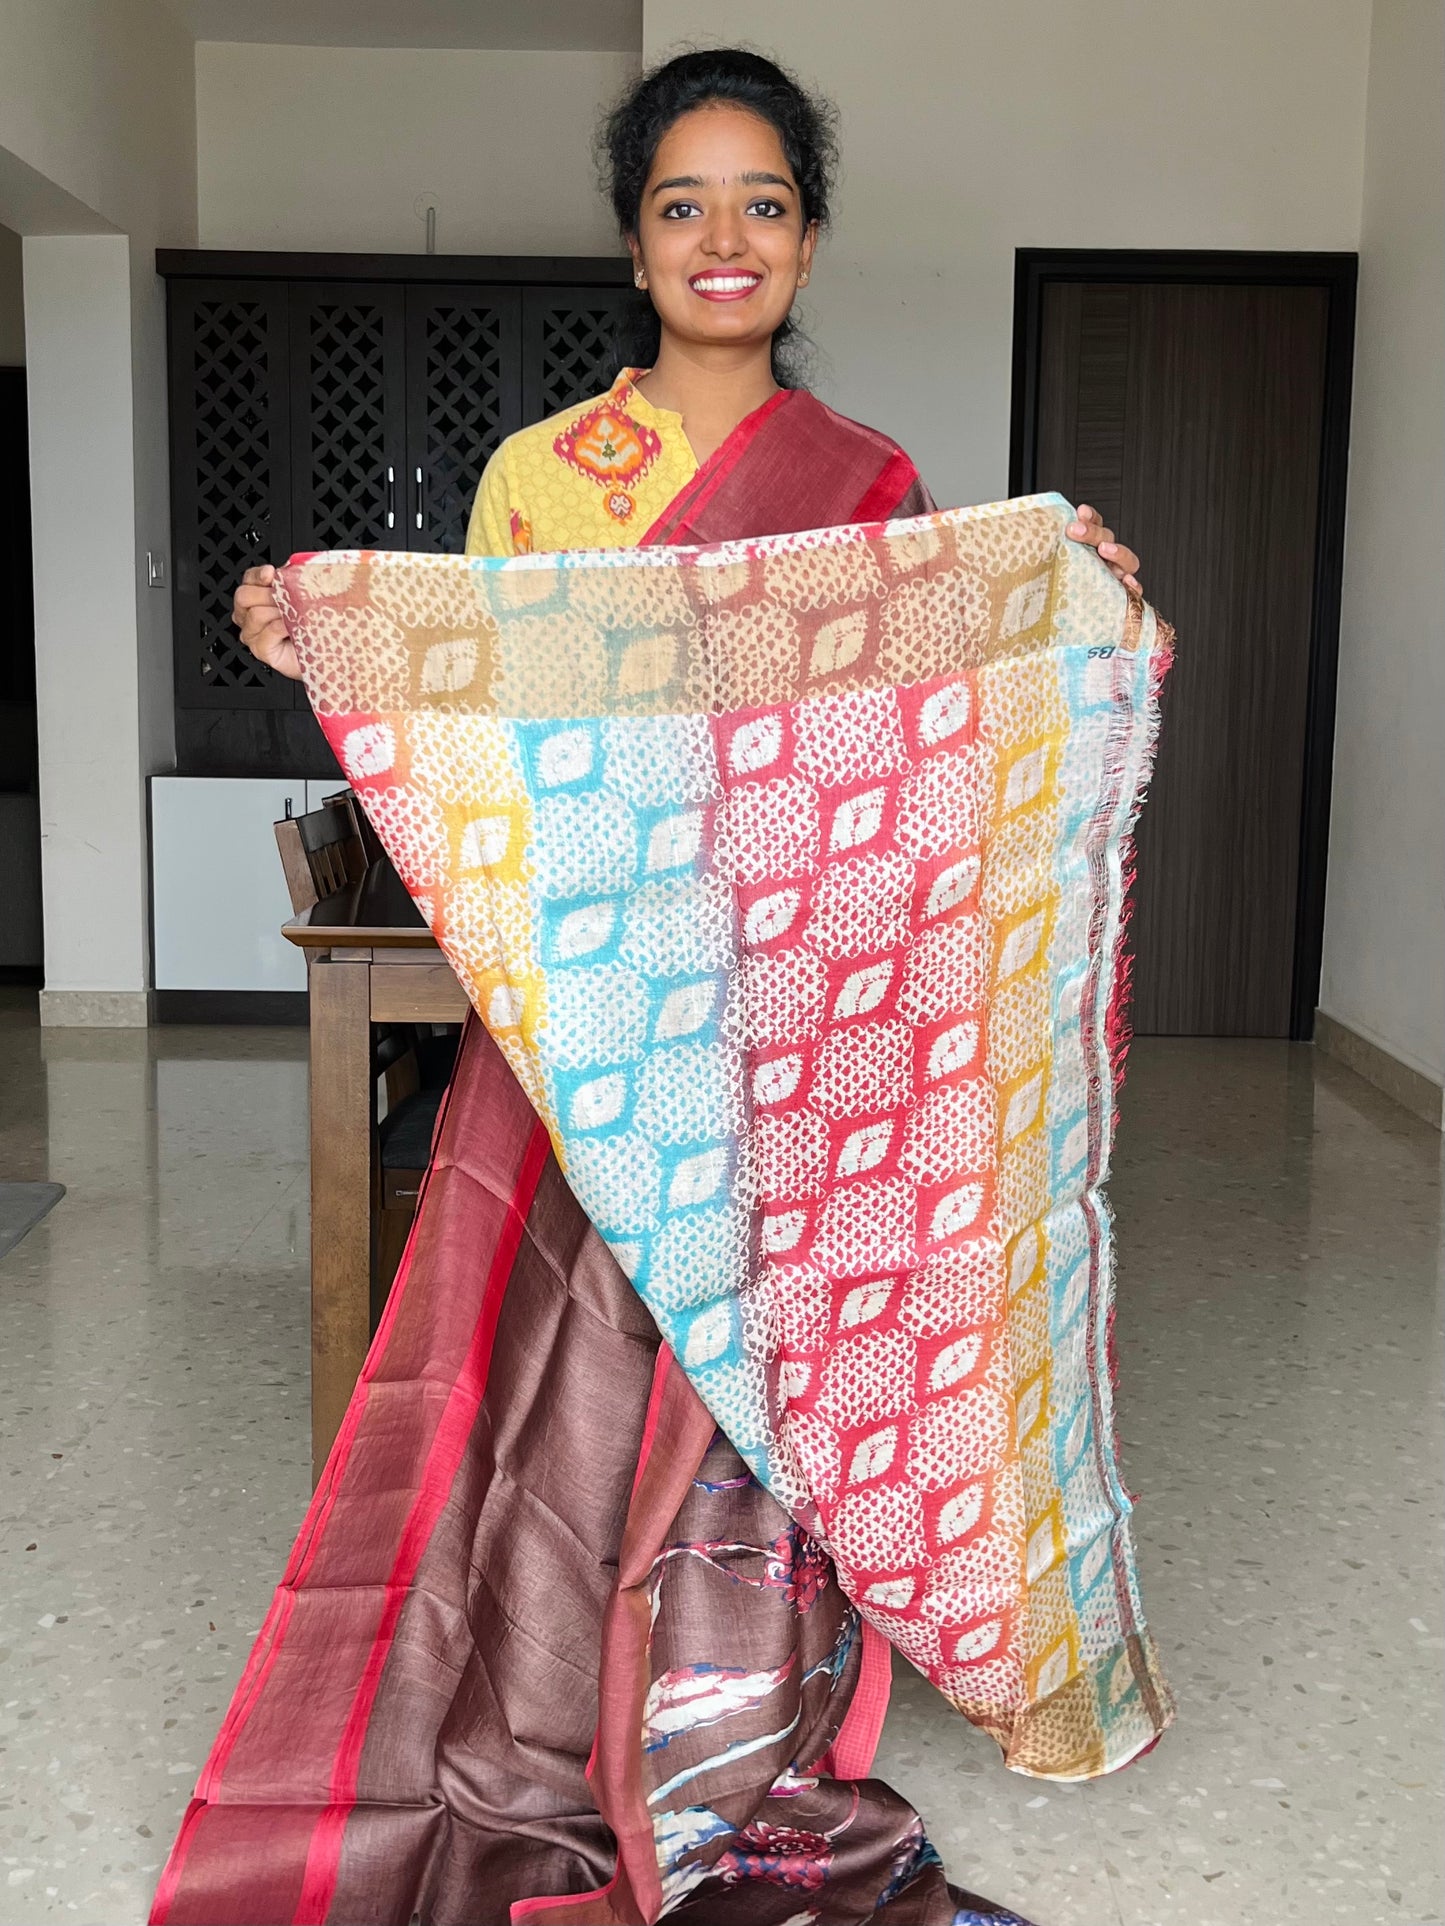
[[263, 627], [1089, 529]]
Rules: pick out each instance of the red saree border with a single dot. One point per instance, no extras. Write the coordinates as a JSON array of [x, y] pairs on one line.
[[593, 1908], [855, 1746], [696, 494], [323, 1861], [443, 1459], [895, 478], [267, 1646]]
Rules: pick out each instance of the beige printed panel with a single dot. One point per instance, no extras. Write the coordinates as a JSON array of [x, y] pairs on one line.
[[659, 631]]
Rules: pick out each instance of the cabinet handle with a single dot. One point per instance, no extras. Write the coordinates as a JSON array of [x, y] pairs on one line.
[[420, 498], [390, 496]]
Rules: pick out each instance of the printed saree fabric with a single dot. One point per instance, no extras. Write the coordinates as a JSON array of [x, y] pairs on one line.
[[789, 877]]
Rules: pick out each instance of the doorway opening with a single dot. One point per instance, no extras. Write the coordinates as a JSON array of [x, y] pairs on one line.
[[21, 947]]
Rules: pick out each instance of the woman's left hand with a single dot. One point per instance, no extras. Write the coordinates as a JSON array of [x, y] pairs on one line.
[[1122, 562]]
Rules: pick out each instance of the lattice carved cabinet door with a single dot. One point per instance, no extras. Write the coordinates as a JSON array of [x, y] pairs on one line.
[[464, 395], [230, 478], [567, 345], [348, 401]]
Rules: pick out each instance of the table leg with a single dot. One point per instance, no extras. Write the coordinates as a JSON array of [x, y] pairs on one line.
[[342, 1102]]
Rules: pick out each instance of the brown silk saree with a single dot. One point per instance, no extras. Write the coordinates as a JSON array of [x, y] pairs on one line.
[[544, 1649]]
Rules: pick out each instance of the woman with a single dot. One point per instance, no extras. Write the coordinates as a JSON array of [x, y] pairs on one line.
[[594, 1567]]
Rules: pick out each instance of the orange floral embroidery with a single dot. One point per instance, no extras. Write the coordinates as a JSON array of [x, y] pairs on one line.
[[608, 446], [521, 534]]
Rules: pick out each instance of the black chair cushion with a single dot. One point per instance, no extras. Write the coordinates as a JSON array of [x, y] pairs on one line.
[[406, 1131]]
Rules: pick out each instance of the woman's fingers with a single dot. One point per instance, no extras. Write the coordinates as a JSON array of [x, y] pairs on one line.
[[270, 642], [263, 635], [1122, 563], [262, 626], [250, 597]]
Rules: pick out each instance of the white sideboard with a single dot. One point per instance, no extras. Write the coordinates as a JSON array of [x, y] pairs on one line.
[[218, 895]]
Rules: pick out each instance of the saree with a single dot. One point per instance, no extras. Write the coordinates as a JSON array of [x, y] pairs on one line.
[[526, 1460]]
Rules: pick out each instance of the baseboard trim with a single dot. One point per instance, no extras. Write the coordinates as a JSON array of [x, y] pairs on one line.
[[1407, 1086], [94, 1009], [229, 1006]]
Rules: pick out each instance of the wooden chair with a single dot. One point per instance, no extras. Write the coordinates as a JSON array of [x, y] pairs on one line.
[[321, 852], [324, 850]]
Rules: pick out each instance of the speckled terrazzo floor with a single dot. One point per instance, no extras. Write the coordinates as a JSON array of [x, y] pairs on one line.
[[1278, 1351]]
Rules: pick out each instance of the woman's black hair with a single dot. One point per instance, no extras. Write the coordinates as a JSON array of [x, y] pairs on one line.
[[629, 138]]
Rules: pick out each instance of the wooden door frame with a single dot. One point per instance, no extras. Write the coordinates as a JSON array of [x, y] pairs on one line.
[[1034, 269]]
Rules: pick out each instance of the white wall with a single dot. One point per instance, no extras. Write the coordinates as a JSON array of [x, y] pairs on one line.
[[92, 807], [330, 148], [12, 301], [1384, 966], [972, 127], [97, 137]]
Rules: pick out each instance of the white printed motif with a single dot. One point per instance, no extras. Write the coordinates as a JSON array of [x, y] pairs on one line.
[[770, 916], [685, 1011], [673, 843], [598, 1102], [756, 744], [857, 820], [485, 842], [865, 1302], [775, 1081], [580, 931], [564, 758], [369, 751], [864, 990], [944, 713], [953, 885], [864, 1150]]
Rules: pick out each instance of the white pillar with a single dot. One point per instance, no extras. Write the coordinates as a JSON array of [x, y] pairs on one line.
[[78, 338]]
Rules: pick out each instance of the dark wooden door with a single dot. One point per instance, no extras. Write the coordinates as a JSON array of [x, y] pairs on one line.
[[17, 610], [463, 396], [348, 415], [567, 345], [230, 406], [1191, 415]]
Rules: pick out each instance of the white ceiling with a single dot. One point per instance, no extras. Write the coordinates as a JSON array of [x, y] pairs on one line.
[[586, 25]]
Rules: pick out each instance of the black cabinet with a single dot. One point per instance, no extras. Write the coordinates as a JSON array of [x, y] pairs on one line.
[[464, 395], [343, 402]]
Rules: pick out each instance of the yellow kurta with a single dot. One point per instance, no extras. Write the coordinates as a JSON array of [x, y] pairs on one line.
[[597, 475]]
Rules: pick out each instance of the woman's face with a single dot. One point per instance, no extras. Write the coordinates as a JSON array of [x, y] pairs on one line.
[[720, 235]]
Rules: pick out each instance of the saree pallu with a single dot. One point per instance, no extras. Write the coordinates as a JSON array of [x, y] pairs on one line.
[[434, 1721]]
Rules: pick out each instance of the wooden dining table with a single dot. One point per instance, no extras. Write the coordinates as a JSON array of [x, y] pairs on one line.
[[372, 960]]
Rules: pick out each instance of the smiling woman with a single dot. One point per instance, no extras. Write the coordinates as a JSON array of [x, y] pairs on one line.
[[580, 1664]]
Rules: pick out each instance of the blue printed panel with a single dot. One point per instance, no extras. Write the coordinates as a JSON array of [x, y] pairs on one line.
[[638, 937]]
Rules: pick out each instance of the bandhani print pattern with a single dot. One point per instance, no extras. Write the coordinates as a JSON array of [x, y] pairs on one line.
[[791, 877]]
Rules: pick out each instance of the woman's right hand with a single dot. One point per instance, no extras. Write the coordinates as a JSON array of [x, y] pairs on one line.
[[263, 627]]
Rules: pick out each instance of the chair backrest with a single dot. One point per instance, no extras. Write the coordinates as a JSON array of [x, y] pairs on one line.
[[322, 851]]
